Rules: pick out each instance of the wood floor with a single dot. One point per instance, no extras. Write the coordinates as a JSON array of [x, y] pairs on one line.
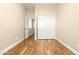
[[39, 47]]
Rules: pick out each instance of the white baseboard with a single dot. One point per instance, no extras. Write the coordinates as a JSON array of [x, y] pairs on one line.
[[67, 46], [28, 35], [10, 47], [13, 45]]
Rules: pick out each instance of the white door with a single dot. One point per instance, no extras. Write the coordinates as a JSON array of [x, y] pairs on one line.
[[46, 27]]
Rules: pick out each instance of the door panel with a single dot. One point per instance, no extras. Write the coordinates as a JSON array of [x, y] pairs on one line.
[[46, 27]]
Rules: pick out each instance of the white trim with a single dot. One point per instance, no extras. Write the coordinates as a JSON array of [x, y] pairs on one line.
[[10, 47], [28, 35], [67, 46], [35, 27]]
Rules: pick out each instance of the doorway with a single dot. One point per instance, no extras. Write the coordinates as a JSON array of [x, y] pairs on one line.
[[29, 27]]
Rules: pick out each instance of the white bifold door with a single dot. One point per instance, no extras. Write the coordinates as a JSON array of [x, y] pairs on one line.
[[46, 27]]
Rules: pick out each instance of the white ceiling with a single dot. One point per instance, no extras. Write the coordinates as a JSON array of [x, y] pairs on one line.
[[31, 5]]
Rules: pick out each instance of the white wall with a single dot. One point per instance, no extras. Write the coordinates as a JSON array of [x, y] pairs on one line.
[[45, 10], [11, 24], [68, 24]]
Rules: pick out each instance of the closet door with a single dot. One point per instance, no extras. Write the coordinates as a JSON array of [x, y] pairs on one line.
[[46, 27]]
